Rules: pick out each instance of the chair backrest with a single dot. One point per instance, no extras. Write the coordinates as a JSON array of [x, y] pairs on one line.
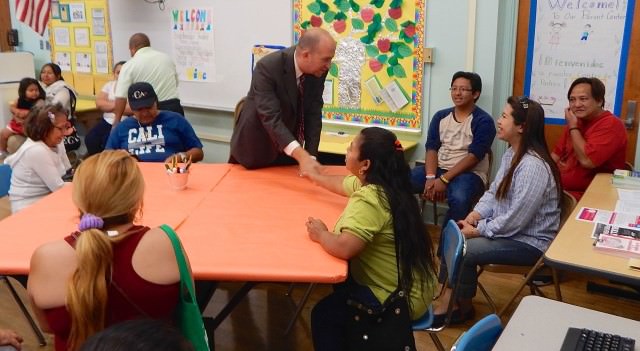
[[567, 205], [452, 251], [628, 166], [5, 179], [238, 109], [482, 335]]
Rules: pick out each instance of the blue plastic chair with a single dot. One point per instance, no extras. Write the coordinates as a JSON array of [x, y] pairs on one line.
[[481, 337], [5, 179], [453, 247]]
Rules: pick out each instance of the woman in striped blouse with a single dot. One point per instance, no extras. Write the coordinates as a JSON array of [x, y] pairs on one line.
[[517, 218]]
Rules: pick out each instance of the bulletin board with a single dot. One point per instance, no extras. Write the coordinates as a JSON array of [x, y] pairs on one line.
[[80, 37], [571, 39], [377, 72]]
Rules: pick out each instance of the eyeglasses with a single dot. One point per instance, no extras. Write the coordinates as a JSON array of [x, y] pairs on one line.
[[65, 129], [524, 102], [460, 89]]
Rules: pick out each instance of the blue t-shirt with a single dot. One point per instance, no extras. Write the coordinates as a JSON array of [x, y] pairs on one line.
[[169, 134]]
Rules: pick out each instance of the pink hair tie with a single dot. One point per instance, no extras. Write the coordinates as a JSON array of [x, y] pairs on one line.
[[90, 221]]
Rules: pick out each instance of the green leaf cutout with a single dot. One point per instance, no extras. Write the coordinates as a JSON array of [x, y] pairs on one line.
[[354, 6], [329, 16], [399, 72], [391, 25], [372, 50], [377, 3], [357, 23], [366, 39], [314, 8], [382, 59], [404, 50], [333, 70]]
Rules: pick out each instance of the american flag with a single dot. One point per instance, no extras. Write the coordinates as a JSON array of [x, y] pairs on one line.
[[34, 13]]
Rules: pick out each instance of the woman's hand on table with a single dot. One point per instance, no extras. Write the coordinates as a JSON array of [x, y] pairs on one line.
[[315, 228]]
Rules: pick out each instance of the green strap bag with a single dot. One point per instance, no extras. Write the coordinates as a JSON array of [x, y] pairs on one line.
[[188, 316]]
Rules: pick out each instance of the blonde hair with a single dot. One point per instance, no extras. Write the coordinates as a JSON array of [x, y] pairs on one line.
[[107, 185]]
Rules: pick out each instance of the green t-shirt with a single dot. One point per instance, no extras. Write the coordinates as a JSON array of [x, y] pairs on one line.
[[367, 215]]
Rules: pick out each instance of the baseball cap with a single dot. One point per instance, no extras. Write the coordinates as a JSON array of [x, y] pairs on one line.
[[141, 95]]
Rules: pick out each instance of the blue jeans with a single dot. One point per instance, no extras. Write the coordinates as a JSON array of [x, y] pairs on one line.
[[462, 191], [481, 251]]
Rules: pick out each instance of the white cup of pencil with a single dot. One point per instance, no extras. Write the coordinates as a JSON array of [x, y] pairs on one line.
[[178, 172]]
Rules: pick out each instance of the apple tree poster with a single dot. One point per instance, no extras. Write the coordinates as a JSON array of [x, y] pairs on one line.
[[376, 75]]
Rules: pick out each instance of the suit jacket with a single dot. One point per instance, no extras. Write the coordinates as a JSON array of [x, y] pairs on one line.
[[268, 121]]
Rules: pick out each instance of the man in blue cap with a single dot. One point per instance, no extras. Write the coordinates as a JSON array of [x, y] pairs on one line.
[[154, 135]]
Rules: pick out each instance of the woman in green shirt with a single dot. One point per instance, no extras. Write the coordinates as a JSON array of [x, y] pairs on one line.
[[380, 213]]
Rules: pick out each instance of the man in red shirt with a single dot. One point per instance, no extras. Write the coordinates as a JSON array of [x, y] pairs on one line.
[[594, 140]]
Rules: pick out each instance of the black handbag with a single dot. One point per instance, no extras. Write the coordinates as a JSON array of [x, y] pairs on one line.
[[386, 327]]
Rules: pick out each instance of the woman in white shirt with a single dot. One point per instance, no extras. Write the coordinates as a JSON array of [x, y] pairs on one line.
[[39, 164], [60, 92], [97, 137]]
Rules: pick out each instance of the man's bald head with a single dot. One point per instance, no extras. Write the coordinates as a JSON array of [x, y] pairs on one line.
[[138, 40], [312, 37]]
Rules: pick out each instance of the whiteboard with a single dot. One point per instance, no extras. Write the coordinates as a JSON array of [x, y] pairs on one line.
[[16, 65], [238, 26]]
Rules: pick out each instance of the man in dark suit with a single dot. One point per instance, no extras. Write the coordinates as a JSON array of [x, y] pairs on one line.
[[280, 122]]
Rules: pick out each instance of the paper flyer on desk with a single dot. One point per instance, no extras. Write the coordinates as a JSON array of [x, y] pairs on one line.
[[620, 219], [609, 229]]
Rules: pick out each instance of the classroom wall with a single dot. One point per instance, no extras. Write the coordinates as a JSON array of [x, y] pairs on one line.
[[448, 31], [30, 41], [447, 28]]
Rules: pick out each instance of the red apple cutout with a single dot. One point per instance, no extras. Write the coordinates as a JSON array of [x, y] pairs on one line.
[[375, 65], [384, 45], [367, 14], [395, 13], [340, 26], [316, 21]]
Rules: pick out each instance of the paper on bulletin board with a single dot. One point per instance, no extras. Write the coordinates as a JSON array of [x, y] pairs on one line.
[[193, 44], [63, 59], [76, 9], [83, 62], [379, 65], [571, 41], [61, 36]]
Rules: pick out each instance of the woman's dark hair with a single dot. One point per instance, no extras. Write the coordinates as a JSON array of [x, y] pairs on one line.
[[138, 335], [530, 115], [390, 171], [597, 88], [119, 63], [25, 83], [39, 124], [473, 78], [55, 68]]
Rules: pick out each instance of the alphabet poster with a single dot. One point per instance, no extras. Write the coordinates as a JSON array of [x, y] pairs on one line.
[[376, 74], [569, 39], [193, 46]]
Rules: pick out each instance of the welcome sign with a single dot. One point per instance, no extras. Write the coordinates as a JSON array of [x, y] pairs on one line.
[[569, 39]]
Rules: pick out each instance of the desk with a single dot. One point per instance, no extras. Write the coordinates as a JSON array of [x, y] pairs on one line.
[[334, 143], [55, 216], [541, 324], [85, 105], [572, 249], [234, 224]]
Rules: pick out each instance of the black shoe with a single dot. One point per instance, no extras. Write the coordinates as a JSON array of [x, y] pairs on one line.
[[457, 317], [542, 280]]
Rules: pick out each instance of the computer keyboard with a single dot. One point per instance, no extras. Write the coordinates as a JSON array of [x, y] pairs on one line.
[[592, 340]]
